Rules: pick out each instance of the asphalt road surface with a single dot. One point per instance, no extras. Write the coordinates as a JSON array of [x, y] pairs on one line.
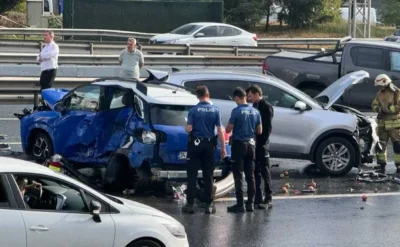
[[334, 215], [308, 222]]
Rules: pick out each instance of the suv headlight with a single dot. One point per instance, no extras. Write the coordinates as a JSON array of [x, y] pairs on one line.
[[173, 226], [148, 137]]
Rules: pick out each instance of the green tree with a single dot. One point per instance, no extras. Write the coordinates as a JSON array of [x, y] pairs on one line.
[[390, 12], [7, 5], [244, 13], [300, 13]]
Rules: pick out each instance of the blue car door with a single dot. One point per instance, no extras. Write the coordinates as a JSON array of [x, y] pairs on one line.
[[111, 120], [75, 130]]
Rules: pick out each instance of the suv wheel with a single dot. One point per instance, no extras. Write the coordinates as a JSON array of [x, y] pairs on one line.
[[335, 156]]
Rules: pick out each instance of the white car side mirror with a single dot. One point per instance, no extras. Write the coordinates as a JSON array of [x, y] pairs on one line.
[[301, 106]]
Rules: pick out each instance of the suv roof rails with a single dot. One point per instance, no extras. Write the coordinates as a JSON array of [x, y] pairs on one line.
[[115, 78]]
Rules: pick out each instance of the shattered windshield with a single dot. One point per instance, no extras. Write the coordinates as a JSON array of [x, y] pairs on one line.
[[186, 29], [175, 115]]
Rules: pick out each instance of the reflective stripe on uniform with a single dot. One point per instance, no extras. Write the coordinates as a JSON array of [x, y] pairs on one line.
[[381, 157], [396, 158], [392, 124]]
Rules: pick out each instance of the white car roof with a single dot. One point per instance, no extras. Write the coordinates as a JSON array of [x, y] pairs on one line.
[[12, 165], [157, 94]]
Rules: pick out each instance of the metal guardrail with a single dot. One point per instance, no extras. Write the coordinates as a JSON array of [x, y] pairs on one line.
[[146, 36], [77, 32], [91, 48], [150, 60]]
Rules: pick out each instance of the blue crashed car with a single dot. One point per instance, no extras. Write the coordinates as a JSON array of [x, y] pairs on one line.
[[134, 130]]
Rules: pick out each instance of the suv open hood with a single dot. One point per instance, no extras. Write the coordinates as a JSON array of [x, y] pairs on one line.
[[332, 93]]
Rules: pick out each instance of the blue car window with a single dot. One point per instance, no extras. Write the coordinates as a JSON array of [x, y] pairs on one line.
[[85, 98], [121, 98]]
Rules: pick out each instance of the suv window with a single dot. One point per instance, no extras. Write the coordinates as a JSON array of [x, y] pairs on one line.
[[219, 89], [3, 196], [277, 97], [228, 31], [395, 61], [209, 31], [56, 195], [85, 98], [373, 58]]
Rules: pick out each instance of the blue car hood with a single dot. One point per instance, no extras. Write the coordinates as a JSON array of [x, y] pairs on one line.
[[52, 95]]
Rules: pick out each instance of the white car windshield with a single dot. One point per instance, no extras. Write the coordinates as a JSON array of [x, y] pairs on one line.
[[186, 29]]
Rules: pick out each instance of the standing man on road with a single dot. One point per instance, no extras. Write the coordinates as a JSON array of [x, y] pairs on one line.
[[131, 61], [201, 123], [48, 59], [387, 105], [262, 166], [245, 121]]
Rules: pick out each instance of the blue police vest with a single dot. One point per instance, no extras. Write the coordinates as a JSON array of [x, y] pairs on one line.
[[204, 117], [244, 119]]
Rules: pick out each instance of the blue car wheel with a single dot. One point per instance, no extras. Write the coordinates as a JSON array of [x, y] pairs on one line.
[[41, 147]]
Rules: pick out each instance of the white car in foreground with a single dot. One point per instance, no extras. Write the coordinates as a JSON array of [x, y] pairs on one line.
[[207, 33], [65, 212]]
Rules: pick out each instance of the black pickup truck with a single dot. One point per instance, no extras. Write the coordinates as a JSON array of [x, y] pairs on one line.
[[312, 72]]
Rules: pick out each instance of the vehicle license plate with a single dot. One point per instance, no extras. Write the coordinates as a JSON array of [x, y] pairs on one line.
[[182, 155]]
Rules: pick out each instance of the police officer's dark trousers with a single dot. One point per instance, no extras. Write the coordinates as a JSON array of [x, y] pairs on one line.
[[262, 172], [200, 156], [243, 155]]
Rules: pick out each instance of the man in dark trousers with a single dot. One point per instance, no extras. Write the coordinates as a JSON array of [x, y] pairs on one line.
[[262, 167], [202, 142], [245, 122]]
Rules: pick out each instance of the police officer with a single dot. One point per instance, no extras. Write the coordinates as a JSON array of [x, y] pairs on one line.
[[201, 123], [387, 105], [262, 166], [245, 122]]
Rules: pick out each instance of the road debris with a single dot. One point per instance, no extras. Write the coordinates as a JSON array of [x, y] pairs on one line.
[[372, 177], [364, 198]]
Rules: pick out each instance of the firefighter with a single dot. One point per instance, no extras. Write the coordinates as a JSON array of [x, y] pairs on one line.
[[387, 105]]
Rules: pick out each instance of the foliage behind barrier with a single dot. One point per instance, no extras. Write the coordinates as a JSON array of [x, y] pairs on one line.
[[140, 16]]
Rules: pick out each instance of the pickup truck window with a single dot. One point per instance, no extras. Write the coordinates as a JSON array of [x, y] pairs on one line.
[[395, 61], [368, 57]]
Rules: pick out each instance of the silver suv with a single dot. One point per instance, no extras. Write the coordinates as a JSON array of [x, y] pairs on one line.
[[335, 137]]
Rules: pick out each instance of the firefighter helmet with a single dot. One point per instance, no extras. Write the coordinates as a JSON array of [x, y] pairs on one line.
[[382, 80]]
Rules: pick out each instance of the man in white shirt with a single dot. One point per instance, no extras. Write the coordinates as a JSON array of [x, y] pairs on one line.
[[131, 61], [48, 59]]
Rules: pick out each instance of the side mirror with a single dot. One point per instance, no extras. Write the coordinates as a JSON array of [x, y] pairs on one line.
[[199, 35], [300, 106], [95, 208]]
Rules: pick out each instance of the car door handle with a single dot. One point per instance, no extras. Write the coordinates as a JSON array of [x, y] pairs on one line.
[[39, 228]]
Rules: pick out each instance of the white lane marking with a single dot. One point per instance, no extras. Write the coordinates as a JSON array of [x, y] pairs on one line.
[[9, 119], [318, 196], [10, 143]]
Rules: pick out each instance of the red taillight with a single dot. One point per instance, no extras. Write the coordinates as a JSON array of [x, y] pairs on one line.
[[264, 67], [255, 38]]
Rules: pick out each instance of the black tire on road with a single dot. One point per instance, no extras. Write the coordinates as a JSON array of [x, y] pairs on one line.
[[332, 153], [41, 147], [144, 243], [116, 175]]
